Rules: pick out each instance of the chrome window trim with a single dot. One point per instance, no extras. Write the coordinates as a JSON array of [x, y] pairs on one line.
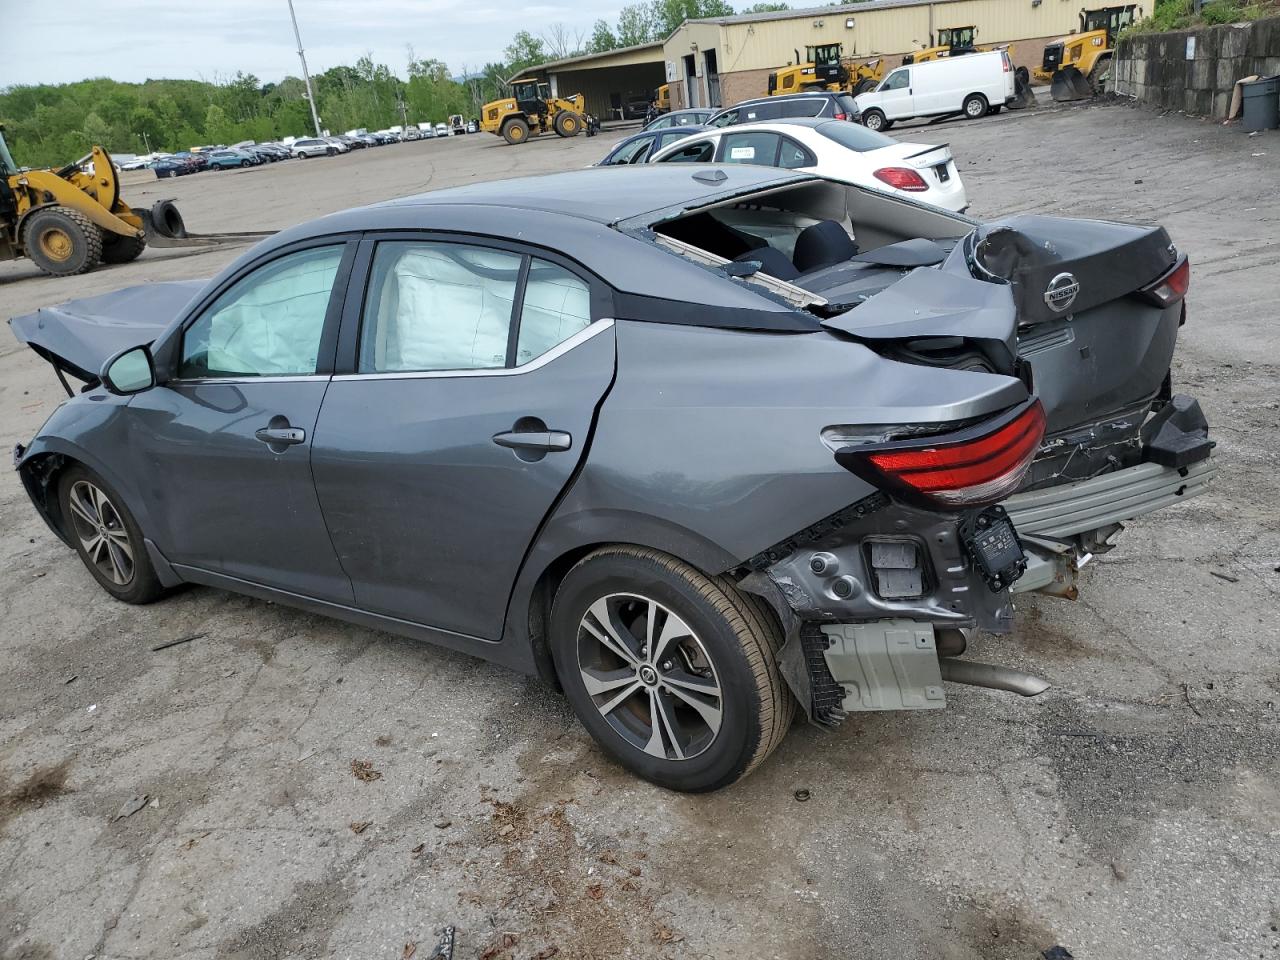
[[559, 350], [282, 378]]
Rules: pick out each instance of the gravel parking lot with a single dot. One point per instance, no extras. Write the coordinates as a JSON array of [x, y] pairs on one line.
[[1131, 812]]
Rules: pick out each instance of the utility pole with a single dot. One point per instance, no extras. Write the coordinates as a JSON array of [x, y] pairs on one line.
[[306, 77]]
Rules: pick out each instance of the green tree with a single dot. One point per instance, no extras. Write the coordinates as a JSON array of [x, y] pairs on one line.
[[602, 38], [639, 23], [767, 8], [524, 51]]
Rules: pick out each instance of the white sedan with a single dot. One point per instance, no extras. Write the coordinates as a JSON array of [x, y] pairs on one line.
[[835, 149]]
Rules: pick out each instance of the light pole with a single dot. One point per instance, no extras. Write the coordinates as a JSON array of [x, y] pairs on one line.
[[306, 77]]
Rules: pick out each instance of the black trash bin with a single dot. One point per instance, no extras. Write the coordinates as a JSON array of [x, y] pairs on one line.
[[1262, 104]]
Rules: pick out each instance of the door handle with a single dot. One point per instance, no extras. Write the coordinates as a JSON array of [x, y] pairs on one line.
[[548, 440], [284, 436]]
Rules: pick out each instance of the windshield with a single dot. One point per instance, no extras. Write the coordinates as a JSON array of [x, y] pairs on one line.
[[854, 136], [7, 166]]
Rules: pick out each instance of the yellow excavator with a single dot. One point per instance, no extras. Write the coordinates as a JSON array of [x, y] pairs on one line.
[[1074, 65], [825, 67], [531, 110], [68, 220]]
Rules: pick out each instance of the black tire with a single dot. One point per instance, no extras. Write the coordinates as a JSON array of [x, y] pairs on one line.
[[875, 120], [1099, 68], [730, 645], [975, 106], [61, 241], [1023, 76], [302, 155], [865, 84], [245, 163], [118, 249], [994, 109], [515, 131], [124, 549], [331, 152], [568, 124], [166, 220]]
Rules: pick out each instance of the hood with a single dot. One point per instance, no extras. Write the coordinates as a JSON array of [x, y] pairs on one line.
[[79, 336]]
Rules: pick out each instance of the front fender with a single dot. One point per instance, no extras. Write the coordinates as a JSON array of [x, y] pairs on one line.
[[87, 429]]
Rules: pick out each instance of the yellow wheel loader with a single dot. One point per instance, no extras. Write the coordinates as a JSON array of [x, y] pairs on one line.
[[531, 110], [952, 42], [70, 219], [825, 67], [1074, 65], [662, 97]]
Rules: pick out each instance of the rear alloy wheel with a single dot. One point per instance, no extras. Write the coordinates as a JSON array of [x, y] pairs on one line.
[[107, 537], [672, 672], [62, 241], [874, 120], [975, 106], [515, 131]]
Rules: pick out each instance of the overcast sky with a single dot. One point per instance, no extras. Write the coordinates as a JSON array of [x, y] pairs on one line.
[[61, 40]]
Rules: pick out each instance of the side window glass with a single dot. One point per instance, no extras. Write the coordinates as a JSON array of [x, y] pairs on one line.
[[700, 152], [633, 152], [557, 304], [897, 80], [757, 148], [792, 155], [437, 306], [661, 124], [269, 324], [725, 119]]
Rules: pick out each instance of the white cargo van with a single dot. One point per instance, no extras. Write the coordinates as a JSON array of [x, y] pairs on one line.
[[973, 84]]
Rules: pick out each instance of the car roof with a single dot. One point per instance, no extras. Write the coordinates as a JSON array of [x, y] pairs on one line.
[[596, 194]]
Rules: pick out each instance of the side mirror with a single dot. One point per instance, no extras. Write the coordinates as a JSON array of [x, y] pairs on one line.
[[129, 372]]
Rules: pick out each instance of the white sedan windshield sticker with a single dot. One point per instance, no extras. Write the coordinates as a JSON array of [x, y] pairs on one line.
[[742, 153]]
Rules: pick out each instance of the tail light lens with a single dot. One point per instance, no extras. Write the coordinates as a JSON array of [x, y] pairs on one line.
[[1170, 288], [1004, 56], [901, 178], [978, 465], [841, 116]]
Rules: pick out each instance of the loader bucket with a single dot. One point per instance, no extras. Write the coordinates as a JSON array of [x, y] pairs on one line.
[[1070, 84], [1023, 97]]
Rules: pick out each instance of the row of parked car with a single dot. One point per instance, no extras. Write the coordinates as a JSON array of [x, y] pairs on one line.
[[218, 157], [810, 132]]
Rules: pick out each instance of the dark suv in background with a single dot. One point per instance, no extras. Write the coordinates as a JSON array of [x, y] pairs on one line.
[[834, 106]]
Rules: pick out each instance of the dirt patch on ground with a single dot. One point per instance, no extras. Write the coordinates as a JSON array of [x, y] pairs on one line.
[[41, 786]]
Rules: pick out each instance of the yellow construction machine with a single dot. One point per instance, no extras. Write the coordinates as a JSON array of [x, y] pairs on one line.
[[69, 219], [531, 110], [1074, 65], [662, 97], [825, 67], [952, 42]]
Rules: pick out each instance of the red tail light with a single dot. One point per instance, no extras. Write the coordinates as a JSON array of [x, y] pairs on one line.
[[841, 116], [903, 178], [978, 465], [1170, 288], [1004, 55]]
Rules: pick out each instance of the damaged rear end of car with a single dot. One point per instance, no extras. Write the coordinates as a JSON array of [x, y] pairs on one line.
[[1073, 323]]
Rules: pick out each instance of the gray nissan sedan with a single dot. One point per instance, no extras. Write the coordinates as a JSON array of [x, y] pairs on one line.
[[698, 444]]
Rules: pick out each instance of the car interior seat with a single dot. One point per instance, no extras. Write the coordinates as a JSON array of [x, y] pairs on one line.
[[772, 261], [822, 244]]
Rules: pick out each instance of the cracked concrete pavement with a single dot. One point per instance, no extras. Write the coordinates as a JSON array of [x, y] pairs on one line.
[[1131, 812]]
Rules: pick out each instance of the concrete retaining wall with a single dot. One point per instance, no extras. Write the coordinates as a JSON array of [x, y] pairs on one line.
[[1155, 67]]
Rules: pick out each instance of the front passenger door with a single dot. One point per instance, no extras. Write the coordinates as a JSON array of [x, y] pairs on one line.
[[895, 98]]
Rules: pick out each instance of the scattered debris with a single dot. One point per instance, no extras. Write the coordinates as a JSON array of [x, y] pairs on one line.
[[506, 830], [444, 949], [306, 756], [155, 803], [609, 857], [363, 771], [634, 871], [132, 806], [596, 891], [417, 851], [443, 822], [664, 934], [802, 794], [382, 741], [501, 946], [1120, 871], [360, 826], [180, 640], [1056, 953], [91, 708], [1186, 693], [1224, 576], [409, 950], [194, 840], [546, 953], [1137, 181], [71, 679]]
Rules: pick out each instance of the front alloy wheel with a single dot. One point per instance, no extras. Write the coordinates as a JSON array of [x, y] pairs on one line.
[[101, 532], [649, 676], [98, 524]]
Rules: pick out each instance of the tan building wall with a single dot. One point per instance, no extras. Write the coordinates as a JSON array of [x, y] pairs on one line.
[[766, 44]]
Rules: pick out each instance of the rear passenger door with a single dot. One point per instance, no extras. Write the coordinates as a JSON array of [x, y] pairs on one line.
[[469, 373], [758, 147]]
